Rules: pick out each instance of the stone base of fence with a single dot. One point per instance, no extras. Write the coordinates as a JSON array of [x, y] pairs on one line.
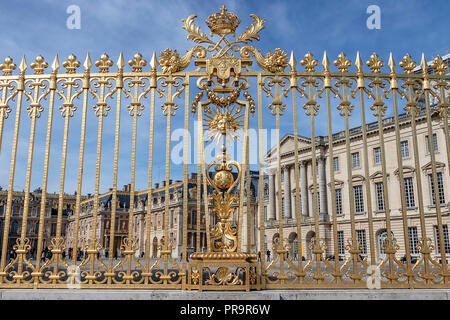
[[348, 294]]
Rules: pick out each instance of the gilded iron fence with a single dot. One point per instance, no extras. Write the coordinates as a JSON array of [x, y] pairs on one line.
[[227, 217]]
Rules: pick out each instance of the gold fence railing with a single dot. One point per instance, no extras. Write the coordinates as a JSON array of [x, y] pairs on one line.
[[308, 214]]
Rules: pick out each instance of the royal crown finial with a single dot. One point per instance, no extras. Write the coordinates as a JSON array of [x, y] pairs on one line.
[[223, 22]]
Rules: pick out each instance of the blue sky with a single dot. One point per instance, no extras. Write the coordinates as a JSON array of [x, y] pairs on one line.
[[39, 27]]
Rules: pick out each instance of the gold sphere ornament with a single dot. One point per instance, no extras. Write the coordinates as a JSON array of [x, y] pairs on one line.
[[223, 179]]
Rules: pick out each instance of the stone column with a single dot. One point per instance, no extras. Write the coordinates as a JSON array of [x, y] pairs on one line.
[[272, 204], [322, 186], [287, 191], [304, 188]]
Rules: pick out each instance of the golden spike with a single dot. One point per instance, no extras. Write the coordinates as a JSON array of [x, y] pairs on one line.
[[23, 65], [55, 64], [292, 61], [325, 62], [120, 62], [358, 62], [391, 63], [39, 65], [423, 64], [154, 61], [87, 63]]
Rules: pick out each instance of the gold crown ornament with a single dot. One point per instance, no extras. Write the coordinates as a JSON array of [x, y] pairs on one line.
[[223, 22]]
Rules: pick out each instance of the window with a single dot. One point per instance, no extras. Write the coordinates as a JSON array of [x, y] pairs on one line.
[[435, 144], [413, 240], [338, 202], [318, 202], [355, 160], [265, 213], [53, 229], [404, 148], [380, 195], [194, 217], [359, 200], [440, 188], [361, 236], [381, 237], [446, 239], [377, 155], [409, 193], [336, 164], [282, 207], [171, 218], [340, 236]]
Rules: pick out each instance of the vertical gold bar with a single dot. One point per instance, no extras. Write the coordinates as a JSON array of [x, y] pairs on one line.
[[199, 171], [66, 113], [185, 180], [249, 210], [242, 181], [378, 111], [112, 223], [153, 85], [205, 196], [427, 89], [52, 87], [129, 246], [86, 84], [166, 190], [366, 172], [32, 113], [327, 85], [20, 89], [262, 222], [394, 88]]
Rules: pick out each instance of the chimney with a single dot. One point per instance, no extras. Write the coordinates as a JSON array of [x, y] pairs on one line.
[[156, 185], [193, 175], [164, 183], [129, 187], [170, 182], [110, 189], [89, 195]]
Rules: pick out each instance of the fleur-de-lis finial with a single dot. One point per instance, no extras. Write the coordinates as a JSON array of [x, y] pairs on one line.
[[7, 66], [71, 64], [439, 65], [375, 63], [39, 65], [408, 64], [104, 63], [342, 62], [137, 62], [309, 62]]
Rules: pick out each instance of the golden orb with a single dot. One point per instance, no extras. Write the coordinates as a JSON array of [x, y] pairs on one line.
[[223, 179]]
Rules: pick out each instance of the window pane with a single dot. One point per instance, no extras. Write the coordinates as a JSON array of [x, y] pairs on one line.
[[380, 195], [404, 149], [377, 155], [409, 193]]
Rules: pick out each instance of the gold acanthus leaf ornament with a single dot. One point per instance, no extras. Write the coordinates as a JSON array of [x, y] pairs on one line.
[[251, 33], [194, 31], [272, 62], [171, 62]]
